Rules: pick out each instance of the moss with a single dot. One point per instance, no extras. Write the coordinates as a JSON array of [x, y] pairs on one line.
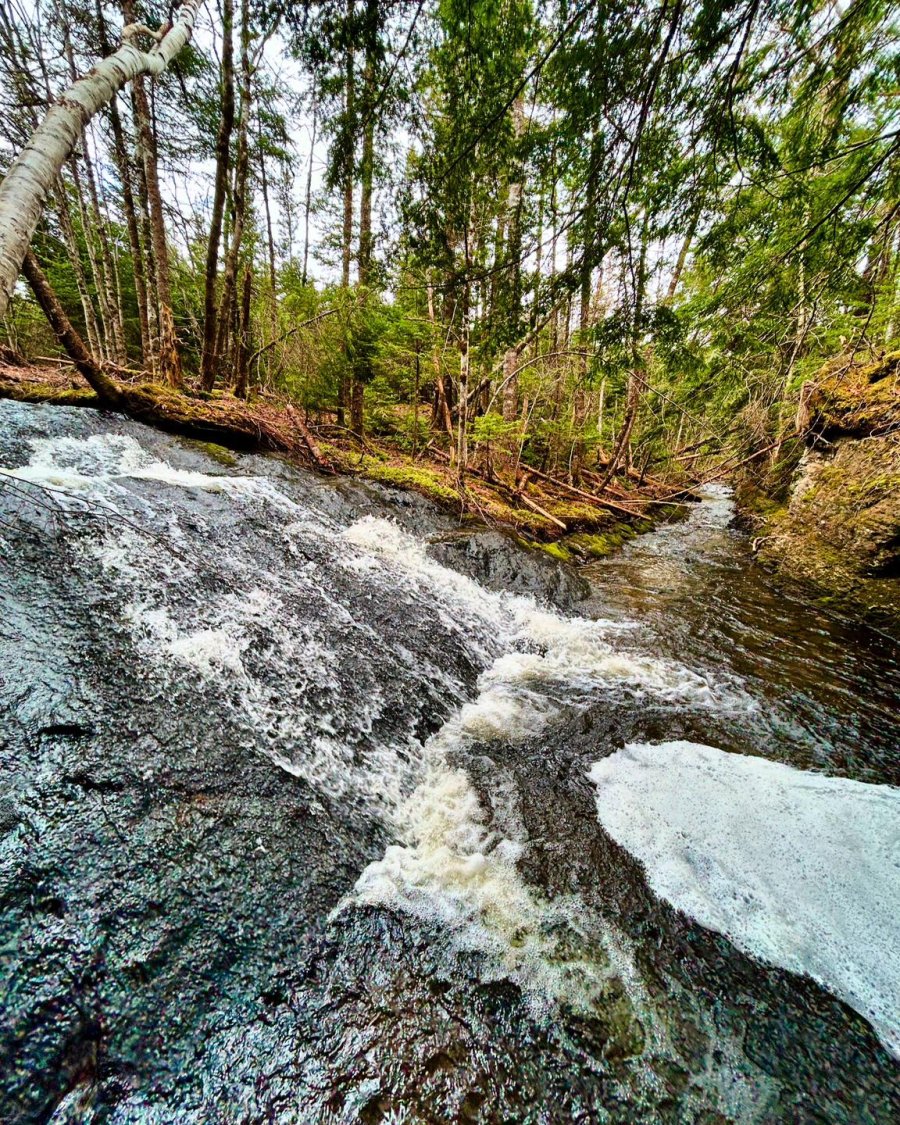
[[592, 546], [847, 398], [556, 551], [578, 513], [840, 534], [48, 392], [597, 545], [410, 476], [211, 449]]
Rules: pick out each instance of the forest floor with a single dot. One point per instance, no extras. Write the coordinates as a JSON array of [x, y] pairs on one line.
[[570, 521]]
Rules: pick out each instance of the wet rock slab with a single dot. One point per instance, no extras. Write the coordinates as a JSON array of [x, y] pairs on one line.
[[161, 878], [205, 700], [498, 562]]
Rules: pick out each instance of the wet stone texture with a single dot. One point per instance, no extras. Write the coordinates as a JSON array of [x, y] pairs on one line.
[[162, 882], [796, 1053], [213, 706]]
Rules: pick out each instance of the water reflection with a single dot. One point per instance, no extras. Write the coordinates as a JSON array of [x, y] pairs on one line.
[[831, 687]]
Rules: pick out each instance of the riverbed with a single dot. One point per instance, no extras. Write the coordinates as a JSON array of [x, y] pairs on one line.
[[317, 807]]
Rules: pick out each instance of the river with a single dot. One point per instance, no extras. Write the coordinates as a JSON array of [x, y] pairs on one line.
[[317, 808]]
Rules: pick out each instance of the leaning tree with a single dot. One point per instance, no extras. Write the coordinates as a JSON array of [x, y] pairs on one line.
[[32, 174]]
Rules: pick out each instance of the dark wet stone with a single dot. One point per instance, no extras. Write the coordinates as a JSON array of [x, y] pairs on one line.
[[499, 562], [168, 950]]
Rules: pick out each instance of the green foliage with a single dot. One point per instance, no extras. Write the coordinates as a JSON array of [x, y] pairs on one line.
[[697, 200], [491, 427]]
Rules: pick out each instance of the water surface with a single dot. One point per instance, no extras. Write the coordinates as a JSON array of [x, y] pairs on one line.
[[301, 818]]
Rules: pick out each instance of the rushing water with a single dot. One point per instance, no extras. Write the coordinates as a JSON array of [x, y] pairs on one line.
[[315, 810]]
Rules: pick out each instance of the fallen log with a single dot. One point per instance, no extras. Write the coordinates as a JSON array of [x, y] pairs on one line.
[[227, 422], [529, 503], [311, 444], [600, 501]]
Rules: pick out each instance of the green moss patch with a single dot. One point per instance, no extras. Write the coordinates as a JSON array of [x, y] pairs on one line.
[[556, 551], [413, 477], [211, 449]]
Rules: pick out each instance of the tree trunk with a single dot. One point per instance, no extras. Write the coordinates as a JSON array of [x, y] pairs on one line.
[[227, 316], [307, 208], [267, 210], [462, 446], [357, 415], [168, 362], [462, 410], [442, 415], [513, 254], [123, 167], [111, 296], [87, 305], [32, 174], [242, 366], [633, 397], [682, 257], [92, 221], [350, 152], [510, 385], [105, 338], [105, 387], [367, 179], [367, 164], [349, 159], [209, 358], [140, 170]]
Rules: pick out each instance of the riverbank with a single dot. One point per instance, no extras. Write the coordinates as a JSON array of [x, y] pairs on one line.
[[836, 527], [571, 522]]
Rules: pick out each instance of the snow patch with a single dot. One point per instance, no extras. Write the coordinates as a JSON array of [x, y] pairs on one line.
[[797, 869]]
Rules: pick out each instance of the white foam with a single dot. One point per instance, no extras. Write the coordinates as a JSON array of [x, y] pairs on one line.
[[456, 871], [577, 652], [462, 605], [797, 869], [86, 464]]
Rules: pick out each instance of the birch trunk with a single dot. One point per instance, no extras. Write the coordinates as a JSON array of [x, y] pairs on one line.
[[33, 173]]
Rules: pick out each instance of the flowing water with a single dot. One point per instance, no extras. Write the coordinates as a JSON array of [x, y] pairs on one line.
[[316, 808]]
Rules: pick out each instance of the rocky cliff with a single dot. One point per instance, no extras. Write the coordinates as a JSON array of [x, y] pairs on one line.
[[838, 527]]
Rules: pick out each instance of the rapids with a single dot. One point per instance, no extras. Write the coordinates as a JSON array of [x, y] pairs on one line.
[[318, 808]]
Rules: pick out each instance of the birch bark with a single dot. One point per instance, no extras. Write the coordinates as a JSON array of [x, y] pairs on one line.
[[33, 173]]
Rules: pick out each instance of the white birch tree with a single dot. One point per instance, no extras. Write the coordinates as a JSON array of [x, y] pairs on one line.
[[34, 172]]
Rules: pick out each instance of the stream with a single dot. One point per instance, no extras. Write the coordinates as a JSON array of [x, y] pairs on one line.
[[317, 807]]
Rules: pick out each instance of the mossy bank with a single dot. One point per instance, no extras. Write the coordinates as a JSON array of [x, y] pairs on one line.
[[838, 526]]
